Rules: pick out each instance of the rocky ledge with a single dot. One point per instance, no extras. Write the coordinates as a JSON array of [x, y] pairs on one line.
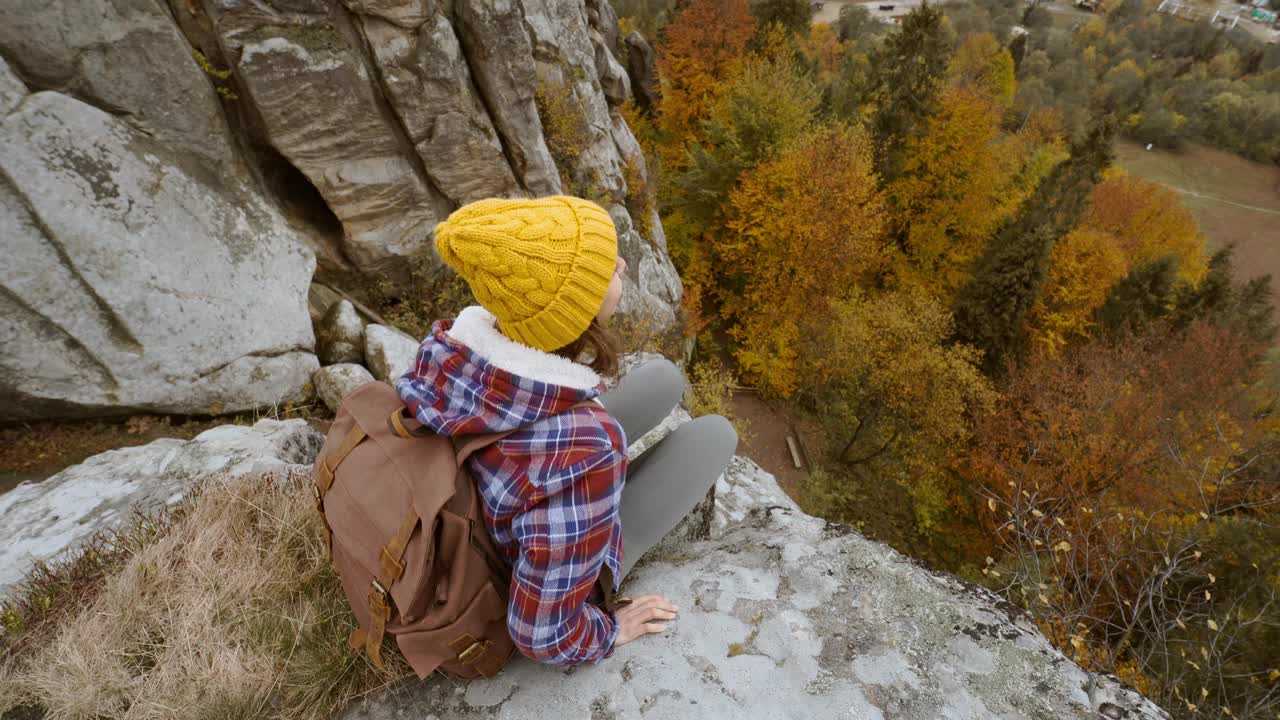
[[783, 615]]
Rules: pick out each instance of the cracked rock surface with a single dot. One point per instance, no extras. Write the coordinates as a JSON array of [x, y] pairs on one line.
[[134, 280], [173, 170], [787, 616]]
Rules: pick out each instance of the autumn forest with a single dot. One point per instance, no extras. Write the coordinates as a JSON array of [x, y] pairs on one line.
[[913, 238]]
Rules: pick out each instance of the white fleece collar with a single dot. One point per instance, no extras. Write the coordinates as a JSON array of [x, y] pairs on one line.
[[477, 328]]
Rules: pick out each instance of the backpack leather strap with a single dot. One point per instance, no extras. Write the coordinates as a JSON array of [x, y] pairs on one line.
[[325, 475], [391, 559], [407, 426], [329, 464]]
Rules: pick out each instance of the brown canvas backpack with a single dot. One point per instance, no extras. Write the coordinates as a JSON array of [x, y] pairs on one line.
[[407, 537]]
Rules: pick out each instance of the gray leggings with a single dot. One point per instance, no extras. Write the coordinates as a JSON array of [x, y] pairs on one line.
[[665, 481]]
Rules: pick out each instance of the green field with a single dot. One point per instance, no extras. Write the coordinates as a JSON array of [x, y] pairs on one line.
[[1235, 200]]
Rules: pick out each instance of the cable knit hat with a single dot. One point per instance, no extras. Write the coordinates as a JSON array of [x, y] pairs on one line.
[[541, 266]]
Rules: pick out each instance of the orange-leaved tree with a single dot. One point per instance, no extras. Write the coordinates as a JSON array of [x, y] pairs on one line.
[[698, 56], [1148, 220], [1113, 479], [800, 228], [1129, 221]]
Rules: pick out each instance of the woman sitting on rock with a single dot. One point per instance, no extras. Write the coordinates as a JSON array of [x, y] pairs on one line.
[[560, 501]]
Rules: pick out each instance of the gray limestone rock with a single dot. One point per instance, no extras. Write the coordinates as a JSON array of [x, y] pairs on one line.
[[642, 69], [388, 352], [432, 91], [340, 335], [125, 57], [651, 288], [134, 280], [43, 519], [604, 20], [788, 616], [334, 382], [320, 298], [321, 107], [408, 14], [613, 78], [11, 88], [499, 52]]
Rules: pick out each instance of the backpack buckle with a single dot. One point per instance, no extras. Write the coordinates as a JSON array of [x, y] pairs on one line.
[[470, 649], [474, 652]]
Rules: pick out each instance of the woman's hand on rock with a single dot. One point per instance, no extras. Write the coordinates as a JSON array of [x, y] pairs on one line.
[[644, 615]]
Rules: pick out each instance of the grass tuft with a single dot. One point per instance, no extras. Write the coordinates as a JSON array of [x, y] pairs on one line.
[[227, 607]]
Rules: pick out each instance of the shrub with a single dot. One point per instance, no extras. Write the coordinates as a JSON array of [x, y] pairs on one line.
[[564, 127], [435, 291], [710, 389]]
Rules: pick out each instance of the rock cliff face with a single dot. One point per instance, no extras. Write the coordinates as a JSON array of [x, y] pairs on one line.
[[172, 171]]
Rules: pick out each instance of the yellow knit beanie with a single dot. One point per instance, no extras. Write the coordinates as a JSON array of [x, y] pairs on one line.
[[541, 266]]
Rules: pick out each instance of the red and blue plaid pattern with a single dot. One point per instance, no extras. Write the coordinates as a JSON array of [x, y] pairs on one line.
[[551, 490]]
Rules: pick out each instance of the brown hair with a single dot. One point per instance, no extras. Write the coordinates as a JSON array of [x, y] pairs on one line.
[[603, 344]]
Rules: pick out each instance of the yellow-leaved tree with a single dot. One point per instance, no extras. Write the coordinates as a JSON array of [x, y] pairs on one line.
[[962, 176], [800, 228], [895, 394]]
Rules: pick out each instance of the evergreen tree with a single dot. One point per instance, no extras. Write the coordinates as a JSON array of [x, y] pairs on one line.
[[908, 70], [1247, 309], [1145, 296], [1018, 50], [1150, 295], [992, 308], [794, 15]]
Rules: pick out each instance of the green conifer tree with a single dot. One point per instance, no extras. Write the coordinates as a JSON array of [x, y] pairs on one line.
[[991, 309], [1246, 308], [1144, 297], [908, 69], [794, 15]]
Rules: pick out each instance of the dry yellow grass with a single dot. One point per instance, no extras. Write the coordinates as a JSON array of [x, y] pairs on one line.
[[234, 613]]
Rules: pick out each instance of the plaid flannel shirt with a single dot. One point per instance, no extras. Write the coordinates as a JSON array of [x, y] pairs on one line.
[[551, 490]]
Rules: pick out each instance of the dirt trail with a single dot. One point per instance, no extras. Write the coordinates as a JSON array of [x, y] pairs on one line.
[[766, 441]]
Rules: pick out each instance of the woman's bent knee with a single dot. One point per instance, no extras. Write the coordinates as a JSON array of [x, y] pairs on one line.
[[662, 375], [716, 433]]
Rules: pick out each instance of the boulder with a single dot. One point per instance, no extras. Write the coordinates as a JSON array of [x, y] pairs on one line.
[[135, 280], [321, 107], [125, 57], [340, 335], [388, 352], [320, 298], [44, 518], [788, 616], [334, 382], [643, 71], [433, 93], [11, 88]]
